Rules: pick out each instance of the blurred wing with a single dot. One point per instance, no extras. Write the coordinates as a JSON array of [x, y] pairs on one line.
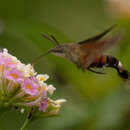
[[90, 51], [97, 37]]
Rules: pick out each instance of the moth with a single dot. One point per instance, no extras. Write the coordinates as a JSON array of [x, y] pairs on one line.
[[88, 54]]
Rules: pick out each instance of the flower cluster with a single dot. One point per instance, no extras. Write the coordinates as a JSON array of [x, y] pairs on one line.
[[22, 87]]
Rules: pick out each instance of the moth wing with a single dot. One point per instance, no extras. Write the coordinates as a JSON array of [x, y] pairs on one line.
[[90, 51], [97, 37]]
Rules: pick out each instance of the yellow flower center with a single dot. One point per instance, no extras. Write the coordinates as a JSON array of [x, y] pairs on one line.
[[15, 76], [43, 88], [42, 78], [28, 86], [1, 67], [10, 63]]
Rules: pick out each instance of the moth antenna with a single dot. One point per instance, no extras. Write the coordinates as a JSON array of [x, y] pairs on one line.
[[95, 71], [48, 38], [55, 39]]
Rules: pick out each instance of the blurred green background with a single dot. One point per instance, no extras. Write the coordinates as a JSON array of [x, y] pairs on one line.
[[94, 102]]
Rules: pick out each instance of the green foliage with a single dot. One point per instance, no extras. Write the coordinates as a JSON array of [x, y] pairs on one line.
[[94, 101]]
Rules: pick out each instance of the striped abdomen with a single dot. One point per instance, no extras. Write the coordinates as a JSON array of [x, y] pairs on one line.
[[110, 61]]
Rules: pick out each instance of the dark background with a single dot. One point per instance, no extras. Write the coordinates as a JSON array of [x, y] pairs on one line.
[[94, 102]]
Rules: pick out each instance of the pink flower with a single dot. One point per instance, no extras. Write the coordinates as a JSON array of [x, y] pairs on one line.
[[1, 59], [30, 86], [13, 74], [7, 62], [33, 78], [43, 105], [44, 93]]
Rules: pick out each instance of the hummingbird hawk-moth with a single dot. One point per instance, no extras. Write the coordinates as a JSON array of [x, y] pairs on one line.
[[88, 54]]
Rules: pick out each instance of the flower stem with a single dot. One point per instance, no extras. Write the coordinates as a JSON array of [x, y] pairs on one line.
[[25, 124], [27, 121]]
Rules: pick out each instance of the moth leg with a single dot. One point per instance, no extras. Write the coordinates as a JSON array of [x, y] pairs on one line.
[[95, 71]]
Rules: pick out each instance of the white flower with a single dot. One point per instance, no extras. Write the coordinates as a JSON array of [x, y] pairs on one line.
[[21, 67], [29, 71], [5, 51], [60, 101], [56, 104], [42, 77], [7, 55], [43, 85], [51, 89]]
